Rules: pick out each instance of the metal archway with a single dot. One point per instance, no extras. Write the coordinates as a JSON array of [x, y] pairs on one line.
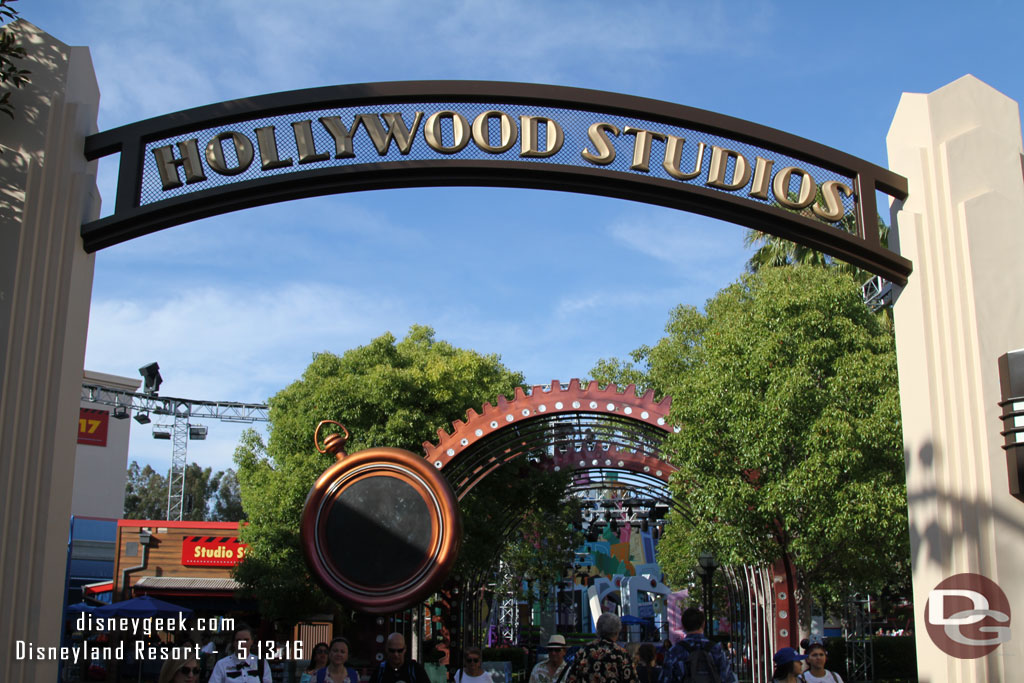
[[608, 439], [233, 155]]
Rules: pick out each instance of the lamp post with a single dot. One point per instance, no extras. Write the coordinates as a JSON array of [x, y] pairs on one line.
[[706, 566]]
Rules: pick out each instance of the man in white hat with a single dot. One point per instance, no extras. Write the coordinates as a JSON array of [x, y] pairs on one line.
[[548, 670]]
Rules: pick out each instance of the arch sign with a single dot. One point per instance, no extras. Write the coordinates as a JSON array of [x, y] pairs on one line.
[[224, 157]]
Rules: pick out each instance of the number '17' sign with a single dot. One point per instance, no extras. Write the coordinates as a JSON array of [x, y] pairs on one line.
[[92, 426]]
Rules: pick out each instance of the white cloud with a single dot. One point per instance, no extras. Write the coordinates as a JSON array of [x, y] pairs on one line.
[[683, 240], [223, 344]]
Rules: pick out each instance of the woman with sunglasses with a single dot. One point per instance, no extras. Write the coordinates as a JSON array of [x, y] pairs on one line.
[[318, 661], [179, 671], [473, 667], [336, 670]]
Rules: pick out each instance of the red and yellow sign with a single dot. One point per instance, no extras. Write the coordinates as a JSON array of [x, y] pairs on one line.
[[212, 551], [92, 426]]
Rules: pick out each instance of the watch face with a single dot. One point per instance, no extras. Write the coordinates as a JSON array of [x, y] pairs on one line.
[[381, 529]]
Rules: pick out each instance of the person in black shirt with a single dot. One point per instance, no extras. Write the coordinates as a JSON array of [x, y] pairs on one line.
[[397, 666]]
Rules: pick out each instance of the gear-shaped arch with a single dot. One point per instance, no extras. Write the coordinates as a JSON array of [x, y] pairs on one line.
[[561, 426]]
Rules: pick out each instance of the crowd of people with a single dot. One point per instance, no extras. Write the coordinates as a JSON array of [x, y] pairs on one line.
[[604, 660]]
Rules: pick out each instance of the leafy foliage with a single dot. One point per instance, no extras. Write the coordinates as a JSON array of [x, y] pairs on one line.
[[387, 393], [785, 389], [10, 75], [209, 496], [774, 252], [521, 515]]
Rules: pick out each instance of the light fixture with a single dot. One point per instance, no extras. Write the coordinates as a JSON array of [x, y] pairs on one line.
[[151, 378], [197, 432], [142, 418], [161, 433], [120, 412], [1011, 382]]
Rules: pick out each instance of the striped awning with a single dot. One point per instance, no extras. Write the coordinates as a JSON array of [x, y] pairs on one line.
[[185, 585]]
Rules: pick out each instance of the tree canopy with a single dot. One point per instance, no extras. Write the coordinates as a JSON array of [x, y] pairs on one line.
[[790, 444], [11, 76], [209, 495], [387, 393]]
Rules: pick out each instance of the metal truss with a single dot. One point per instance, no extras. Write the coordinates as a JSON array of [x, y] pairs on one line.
[[225, 411], [179, 432], [878, 293], [859, 646]]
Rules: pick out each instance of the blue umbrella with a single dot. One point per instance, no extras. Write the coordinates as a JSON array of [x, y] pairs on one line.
[[643, 621], [81, 607], [144, 606]]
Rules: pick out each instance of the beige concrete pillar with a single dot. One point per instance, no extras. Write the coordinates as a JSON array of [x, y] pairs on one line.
[[46, 191], [963, 307]]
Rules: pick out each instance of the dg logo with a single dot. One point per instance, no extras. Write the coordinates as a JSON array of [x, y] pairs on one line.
[[967, 616]]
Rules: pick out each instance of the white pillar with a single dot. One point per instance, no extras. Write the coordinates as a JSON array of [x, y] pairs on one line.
[[962, 308], [46, 191]]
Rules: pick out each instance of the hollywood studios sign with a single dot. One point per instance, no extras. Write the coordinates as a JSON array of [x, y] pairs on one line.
[[233, 155]]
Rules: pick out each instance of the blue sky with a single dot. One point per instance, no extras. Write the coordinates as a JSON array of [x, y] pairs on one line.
[[233, 307]]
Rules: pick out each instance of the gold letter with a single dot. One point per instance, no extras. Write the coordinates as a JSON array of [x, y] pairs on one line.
[[243, 153], [266, 138], [306, 144], [835, 210], [554, 141], [674, 155], [460, 131], [342, 137], [719, 167], [642, 147], [482, 131], [605, 149], [167, 165], [780, 188], [762, 178], [397, 130]]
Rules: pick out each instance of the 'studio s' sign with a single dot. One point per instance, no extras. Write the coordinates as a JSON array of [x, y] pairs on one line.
[[968, 616]]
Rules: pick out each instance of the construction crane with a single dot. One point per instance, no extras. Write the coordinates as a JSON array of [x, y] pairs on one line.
[[148, 403]]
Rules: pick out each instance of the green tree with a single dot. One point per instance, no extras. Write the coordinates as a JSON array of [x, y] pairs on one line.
[[387, 393], [10, 75], [773, 252], [226, 505], [146, 493], [791, 446]]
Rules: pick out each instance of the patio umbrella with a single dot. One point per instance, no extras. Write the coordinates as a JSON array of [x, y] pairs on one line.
[[144, 606], [81, 607]]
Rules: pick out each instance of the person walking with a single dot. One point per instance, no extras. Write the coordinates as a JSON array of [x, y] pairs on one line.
[[548, 670], [706, 659], [817, 657], [646, 668], [180, 671], [337, 670], [787, 666], [397, 666], [316, 662], [472, 670], [603, 660], [241, 666]]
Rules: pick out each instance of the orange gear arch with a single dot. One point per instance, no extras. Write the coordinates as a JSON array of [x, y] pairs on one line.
[[561, 427]]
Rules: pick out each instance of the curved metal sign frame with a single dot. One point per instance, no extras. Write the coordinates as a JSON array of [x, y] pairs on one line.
[[224, 157]]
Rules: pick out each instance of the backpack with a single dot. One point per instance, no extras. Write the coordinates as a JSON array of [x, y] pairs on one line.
[[700, 667]]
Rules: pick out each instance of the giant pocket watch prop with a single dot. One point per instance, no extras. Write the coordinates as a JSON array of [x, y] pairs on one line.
[[381, 527]]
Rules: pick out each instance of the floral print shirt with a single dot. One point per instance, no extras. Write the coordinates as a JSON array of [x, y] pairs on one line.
[[602, 661]]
